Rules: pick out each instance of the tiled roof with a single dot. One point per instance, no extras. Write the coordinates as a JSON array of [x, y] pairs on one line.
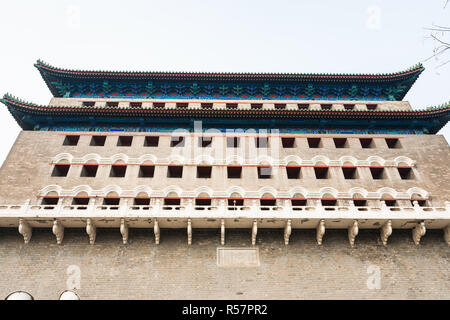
[[90, 74], [429, 112]]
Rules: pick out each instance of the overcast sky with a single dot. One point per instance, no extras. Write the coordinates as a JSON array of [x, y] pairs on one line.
[[347, 36]]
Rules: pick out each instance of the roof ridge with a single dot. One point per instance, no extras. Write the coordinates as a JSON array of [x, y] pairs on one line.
[[417, 67]]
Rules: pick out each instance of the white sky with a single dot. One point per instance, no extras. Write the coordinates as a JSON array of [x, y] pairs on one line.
[[347, 36]]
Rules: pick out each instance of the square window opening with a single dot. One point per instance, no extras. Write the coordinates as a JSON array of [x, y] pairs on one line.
[[314, 142], [340, 142], [177, 142], [205, 142], [288, 142], [98, 141], [182, 105], [172, 201], [360, 203], [391, 203], [268, 202], [234, 172], [202, 202], [235, 202], [146, 171], [135, 104], [111, 201], [141, 201], [350, 172], [112, 104], [298, 202], [328, 202], [206, 105], [80, 201], [377, 173], [264, 172], [88, 103], [50, 201], [366, 143], [293, 172], [349, 106], [174, 171], [393, 143], [151, 141], [262, 142], [321, 172], [89, 171], [421, 203], [71, 140], [406, 173], [233, 142], [204, 172], [60, 170], [118, 171], [124, 141], [159, 105]]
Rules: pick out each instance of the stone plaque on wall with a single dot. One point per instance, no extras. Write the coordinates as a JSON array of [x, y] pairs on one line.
[[237, 257]]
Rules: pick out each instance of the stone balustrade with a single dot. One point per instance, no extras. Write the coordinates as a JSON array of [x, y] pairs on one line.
[[124, 216]]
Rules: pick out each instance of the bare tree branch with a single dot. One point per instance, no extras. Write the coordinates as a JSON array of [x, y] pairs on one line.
[[447, 44], [443, 64], [439, 29], [437, 34], [436, 54]]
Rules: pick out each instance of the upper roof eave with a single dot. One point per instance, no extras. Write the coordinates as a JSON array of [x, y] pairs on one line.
[[48, 70]]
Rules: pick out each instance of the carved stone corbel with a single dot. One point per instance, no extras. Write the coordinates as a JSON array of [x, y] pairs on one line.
[[320, 231], [287, 231], [91, 230], [222, 232], [418, 232], [189, 231], [447, 234], [58, 231], [25, 230], [124, 231], [254, 231], [386, 231], [156, 230], [353, 232]]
